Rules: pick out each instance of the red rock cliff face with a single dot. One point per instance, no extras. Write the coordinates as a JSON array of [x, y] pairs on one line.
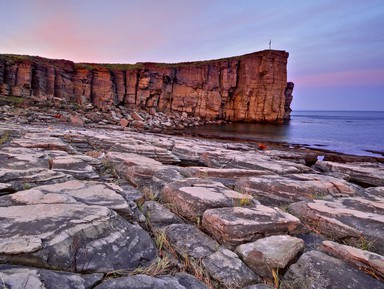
[[247, 88]]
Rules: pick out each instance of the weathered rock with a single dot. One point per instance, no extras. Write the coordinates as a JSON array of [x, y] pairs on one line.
[[238, 225], [72, 237], [377, 191], [203, 173], [16, 277], [361, 259], [158, 216], [259, 286], [76, 120], [89, 193], [282, 190], [146, 282], [191, 197], [250, 160], [188, 240], [365, 174], [317, 270], [352, 220], [43, 141], [270, 253], [226, 267]]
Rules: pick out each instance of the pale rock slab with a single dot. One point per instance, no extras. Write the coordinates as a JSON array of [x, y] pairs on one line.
[[17, 277], [238, 225], [270, 253], [191, 197], [72, 237], [366, 174], [352, 220], [282, 190]]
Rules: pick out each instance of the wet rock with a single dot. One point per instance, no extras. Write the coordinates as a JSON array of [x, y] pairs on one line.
[[191, 197], [270, 253], [238, 225], [226, 267], [365, 174], [158, 216], [72, 237], [17, 277], [145, 282], [317, 270], [352, 220], [282, 190], [188, 240], [361, 259]]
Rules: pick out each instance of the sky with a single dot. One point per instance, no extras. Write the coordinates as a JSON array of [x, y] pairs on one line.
[[336, 47]]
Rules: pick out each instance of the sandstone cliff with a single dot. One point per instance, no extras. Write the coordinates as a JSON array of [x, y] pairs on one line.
[[249, 88]]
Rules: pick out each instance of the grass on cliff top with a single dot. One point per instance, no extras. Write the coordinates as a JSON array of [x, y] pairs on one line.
[[16, 58]]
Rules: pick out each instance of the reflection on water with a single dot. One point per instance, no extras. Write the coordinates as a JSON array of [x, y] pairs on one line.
[[348, 132]]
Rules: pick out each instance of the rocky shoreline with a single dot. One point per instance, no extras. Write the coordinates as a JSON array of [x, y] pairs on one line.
[[103, 205]]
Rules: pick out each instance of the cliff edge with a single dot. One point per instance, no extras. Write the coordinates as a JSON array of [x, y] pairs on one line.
[[249, 88]]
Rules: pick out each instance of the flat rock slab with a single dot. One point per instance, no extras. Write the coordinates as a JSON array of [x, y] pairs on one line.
[[42, 140], [16, 277], [226, 267], [370, 262], [353, 220], [281, 190], [191, 197], [366, 174], [180, 281], [72, 237], [189, 240], [267, 254], [238, 225], [19, 179], [317, 270], [203, 173], [90, 193], [250, 160]]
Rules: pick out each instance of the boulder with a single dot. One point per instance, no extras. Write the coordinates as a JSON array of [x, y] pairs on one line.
[[238, 225], [191, 197], [357, 221], [270, 253], [226, 267], [317, 270], [72, 237], [189, 240]]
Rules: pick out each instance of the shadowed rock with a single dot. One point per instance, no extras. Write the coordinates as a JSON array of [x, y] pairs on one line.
[[226, 267], [158, 216], [317, 270]]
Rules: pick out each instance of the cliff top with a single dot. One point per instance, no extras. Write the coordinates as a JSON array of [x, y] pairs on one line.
[[17, 58]]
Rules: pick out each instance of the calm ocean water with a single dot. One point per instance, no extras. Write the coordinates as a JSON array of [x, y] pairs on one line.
[[352, 132]]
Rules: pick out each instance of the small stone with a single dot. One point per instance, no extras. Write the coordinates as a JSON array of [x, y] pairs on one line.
[[76, 120], [124, 122]]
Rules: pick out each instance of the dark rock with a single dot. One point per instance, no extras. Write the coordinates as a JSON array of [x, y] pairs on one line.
[[317, 270]]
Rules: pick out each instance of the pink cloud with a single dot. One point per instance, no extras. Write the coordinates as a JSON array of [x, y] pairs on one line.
[[341, 78]]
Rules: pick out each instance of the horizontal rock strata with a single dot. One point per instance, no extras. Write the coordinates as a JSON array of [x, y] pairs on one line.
[[251, 87]]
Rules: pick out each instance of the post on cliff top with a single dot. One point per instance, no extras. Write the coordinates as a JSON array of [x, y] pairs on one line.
[[270, 43]]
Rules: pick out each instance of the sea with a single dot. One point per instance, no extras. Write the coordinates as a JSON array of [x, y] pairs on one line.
[[349, 132]]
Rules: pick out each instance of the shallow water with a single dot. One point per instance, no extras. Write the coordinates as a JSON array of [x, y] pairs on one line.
[[352, 132]]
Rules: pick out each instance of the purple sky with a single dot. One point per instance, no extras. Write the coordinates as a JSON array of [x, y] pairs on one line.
[[336, 47]]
